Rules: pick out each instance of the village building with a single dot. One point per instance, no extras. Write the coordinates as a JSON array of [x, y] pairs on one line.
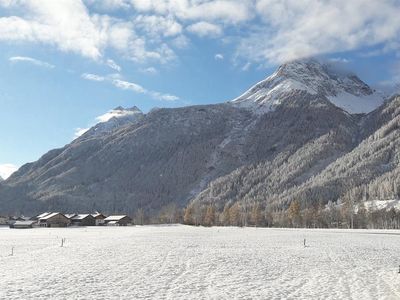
[[83, 220], [120, 220], [41, 215], [13, 219], [99, 217], [3, 220], [54, 220], [23, 224], [70, 216]]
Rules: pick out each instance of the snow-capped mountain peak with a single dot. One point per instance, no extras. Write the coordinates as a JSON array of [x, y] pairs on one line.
[[113, 120], [119, 112], [344, 89]]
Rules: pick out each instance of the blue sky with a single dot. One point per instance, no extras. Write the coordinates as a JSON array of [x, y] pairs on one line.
[[66, 62]]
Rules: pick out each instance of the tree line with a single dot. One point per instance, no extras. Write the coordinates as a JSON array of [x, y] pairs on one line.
[[341, 214]]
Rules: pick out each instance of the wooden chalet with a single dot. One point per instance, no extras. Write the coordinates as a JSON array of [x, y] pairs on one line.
[[83, 220], [54, 220], [99, 217], [119, 220]]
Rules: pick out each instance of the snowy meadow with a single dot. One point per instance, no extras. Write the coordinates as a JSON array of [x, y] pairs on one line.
[[181, 262]]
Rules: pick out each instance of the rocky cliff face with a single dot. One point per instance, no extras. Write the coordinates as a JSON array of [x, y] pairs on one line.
[[286, 137]]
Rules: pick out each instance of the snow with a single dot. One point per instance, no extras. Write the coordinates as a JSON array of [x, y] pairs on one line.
[[180, 262], [357, 104], [382, 204], [118, 112], [268, 94], [112, 120], [343, 89], [48, 216], [115, 218]]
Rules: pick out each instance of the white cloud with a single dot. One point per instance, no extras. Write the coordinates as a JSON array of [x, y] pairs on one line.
[[108, 5], [163, 97], [113, 65], [92, 77], [232, 11], [293, 29], [180, 42], [149, 70], [203, 29], [80, 131], [31, 61], [158, 26], [126, 85], [69, 26], [264, 31], [219, 56], [391, 86], [65, 24], [115, 80], [7, 169], [118, 113], [340, 60], [246, 67]]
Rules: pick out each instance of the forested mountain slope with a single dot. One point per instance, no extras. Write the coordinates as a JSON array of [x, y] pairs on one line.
[[292, 136]]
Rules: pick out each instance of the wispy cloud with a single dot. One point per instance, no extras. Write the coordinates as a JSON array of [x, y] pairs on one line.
[[246, 67], [126, 85], [203, 29], [7, 169], [116, 113], [233, 11], [149, 70], [130, 86], [219, 56], [30, 60], [113, 65], [92, 77]]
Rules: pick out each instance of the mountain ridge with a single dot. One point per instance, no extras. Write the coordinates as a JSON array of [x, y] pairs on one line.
[[344, 89], [254, 149]]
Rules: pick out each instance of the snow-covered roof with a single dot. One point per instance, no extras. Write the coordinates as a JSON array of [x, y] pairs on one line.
[[43, 215], [50, 216], [70, 216], [80, 217], [115, 218], [22, 223], [97, 214]]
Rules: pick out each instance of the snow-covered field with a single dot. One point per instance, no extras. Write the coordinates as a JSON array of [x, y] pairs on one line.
[[180, 262]]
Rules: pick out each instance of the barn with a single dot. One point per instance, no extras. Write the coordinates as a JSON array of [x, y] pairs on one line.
[[83, 220], [99, 218], [120, 220], [54, 220]]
